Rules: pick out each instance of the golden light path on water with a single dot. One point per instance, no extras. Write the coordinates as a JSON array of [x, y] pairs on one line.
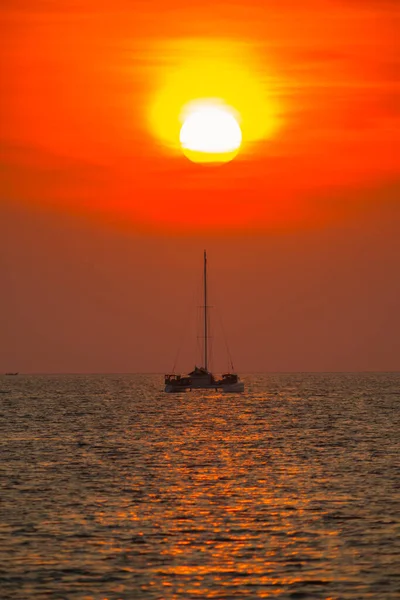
[[284, 491]]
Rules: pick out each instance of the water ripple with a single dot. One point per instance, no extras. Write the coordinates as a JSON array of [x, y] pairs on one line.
[[110, 489]]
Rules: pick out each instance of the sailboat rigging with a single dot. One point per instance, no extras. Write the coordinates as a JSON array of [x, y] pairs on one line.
[[201, 377]]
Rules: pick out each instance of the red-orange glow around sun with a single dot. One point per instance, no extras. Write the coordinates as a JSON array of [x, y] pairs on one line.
[[94, 103]]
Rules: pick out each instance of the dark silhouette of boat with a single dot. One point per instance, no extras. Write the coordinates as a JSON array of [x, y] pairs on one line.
[[9, 373], [201, 377]]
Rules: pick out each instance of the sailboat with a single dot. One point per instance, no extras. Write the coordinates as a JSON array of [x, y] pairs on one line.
[[201, 377]]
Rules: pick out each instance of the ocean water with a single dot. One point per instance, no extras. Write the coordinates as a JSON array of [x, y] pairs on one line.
[[112, 489]]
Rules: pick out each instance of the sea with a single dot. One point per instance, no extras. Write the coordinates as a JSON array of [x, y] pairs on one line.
[[112, 489]]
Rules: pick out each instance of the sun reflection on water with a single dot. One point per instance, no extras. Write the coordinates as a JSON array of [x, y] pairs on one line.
[[204, 496]]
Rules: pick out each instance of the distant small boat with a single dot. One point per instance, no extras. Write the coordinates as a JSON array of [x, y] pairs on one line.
[[11, 373], [201, 377]]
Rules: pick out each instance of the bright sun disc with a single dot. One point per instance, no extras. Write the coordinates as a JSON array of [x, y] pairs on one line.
[[210, 134], [216, 86]]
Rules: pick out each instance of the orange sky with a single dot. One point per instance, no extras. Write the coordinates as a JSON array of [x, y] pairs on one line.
[[80, 163]]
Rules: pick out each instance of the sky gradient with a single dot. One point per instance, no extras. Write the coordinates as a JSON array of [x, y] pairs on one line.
[[103, 220]]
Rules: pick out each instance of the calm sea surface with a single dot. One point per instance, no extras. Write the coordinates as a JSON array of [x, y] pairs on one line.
[[112, 489]]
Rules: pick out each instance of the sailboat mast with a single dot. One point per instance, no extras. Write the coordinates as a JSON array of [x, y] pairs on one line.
[[205, 314]]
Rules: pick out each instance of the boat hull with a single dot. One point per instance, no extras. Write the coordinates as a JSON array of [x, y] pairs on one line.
[[230, 388], [233, 388], [175, 389]]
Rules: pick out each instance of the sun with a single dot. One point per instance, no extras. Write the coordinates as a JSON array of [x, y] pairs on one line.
[[210, 132], [211, 99]]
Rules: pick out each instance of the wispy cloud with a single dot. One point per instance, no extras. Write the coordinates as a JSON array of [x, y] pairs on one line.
[[78, 78]]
